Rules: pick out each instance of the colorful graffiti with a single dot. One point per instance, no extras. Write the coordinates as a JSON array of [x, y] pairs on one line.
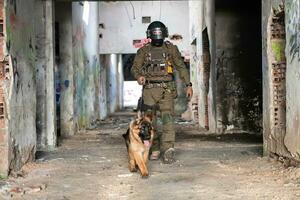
[[79, 35], [141, 43]]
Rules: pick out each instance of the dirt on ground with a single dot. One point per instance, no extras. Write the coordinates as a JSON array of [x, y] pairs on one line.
[[93, 165]]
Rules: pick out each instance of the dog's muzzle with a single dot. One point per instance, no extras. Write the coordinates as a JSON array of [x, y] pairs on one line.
[[145, 133]]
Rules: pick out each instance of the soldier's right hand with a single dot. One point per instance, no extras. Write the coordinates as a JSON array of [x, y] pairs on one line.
[[141, 80]]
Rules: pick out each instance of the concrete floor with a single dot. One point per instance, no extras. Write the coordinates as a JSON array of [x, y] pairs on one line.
[[93, 165]]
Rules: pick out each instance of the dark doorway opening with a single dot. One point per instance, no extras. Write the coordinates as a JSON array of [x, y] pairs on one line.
[[206, 74], [238, 62], [127, 64]]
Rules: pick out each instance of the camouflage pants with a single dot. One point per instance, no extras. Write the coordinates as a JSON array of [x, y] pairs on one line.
[[164, 98]]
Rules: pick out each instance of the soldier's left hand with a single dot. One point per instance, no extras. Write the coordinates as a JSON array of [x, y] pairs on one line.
[[189, 92]]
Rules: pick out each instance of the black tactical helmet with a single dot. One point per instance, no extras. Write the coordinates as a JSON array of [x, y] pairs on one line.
[[157, 32]]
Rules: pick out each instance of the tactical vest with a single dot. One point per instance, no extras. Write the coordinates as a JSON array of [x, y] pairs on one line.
[[157, 66]]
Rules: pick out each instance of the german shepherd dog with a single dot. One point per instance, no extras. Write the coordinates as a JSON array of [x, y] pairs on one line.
[[139, 138]]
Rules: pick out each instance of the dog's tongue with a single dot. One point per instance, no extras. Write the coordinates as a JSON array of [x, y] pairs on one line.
[[146, 143]]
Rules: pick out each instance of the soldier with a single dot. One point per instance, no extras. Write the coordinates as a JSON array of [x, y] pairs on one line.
[[153, 67]]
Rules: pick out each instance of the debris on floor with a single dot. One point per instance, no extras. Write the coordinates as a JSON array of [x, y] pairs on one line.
[[94, 165]]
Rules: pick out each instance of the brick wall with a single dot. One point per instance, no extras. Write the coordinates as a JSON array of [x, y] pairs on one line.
[[3, 71]]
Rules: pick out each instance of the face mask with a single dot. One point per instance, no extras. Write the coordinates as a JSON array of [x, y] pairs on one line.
[[157, 42]]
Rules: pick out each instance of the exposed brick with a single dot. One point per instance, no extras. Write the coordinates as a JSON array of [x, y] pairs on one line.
[[3, 137], [4, 160]]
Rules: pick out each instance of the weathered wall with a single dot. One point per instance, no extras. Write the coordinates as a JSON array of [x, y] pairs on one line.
[[203, 73], [113, 66], [45, 92], [64, 62], [238, 78], [120, 82], [86, 63], [4, 87], [103, 93], [20, 107], [268, 127], [281, 136], [292, 19], [123, 23], [195, 28]]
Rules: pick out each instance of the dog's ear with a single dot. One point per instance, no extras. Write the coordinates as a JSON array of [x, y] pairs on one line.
[[139, 115], [132, 124]]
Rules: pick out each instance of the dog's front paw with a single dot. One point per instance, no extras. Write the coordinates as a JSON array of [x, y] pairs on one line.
[[132, 168], [145, 175]]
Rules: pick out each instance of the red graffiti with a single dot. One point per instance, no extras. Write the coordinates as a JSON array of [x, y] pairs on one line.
[[142, 42], [79, 35], [13, 20]]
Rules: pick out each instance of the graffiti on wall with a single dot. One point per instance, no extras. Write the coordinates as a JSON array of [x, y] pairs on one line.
[[293, 26], [79, 35], [141, 43]]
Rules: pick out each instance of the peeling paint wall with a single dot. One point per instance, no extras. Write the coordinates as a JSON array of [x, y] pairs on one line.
[[285, 142], [44, 76], [86, 63], [203, 73], [120, 82], [103, 92], [195, 27], [113, 66], [292, 18], [64, 63], [21, 43], [5, 77]]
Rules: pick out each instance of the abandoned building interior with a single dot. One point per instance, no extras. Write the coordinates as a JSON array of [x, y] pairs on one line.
[[67, 95]]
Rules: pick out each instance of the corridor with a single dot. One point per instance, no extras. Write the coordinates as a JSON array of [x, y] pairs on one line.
[[67, 95]]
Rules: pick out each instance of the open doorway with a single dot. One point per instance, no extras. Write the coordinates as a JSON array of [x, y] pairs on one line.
[[132, 90], [238, 63]]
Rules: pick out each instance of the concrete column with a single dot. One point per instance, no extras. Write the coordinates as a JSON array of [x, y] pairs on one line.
[[51, 137], [103, 93], [40, 29], [210, 21], [65, 66], [120, 83], [112, 89]]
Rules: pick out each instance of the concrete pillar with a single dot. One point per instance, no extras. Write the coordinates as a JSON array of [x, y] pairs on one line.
[[63, 12], [112, 81], [103, 92], [49, 141], [120, 83], [40, 29], [210, 22]]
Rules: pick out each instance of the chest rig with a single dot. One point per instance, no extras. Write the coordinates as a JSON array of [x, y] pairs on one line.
[[158, 67]]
